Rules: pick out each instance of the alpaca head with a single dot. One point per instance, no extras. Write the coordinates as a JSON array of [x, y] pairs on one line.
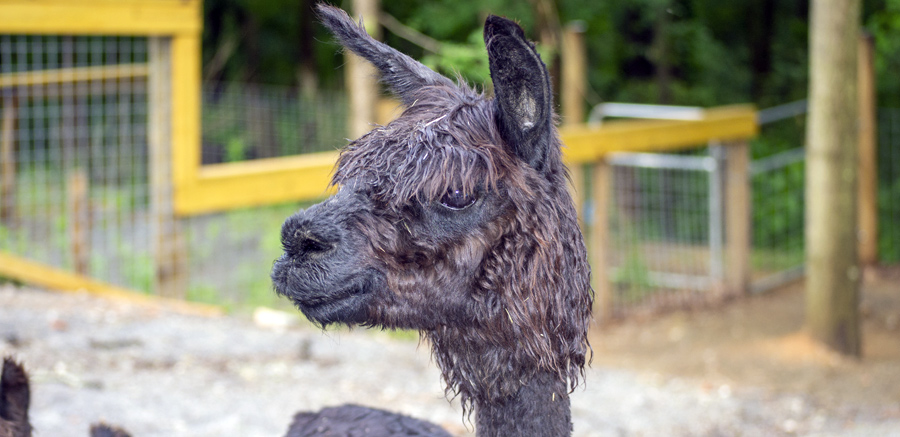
[[454, 220]]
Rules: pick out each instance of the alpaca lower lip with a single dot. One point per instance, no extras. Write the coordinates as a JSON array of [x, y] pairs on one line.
[[349, 308]]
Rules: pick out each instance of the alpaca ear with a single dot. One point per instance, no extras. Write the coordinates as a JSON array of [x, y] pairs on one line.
[[522, 91], [404, 75]]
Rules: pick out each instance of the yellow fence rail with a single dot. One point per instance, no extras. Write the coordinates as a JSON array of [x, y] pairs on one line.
[[236, 185]]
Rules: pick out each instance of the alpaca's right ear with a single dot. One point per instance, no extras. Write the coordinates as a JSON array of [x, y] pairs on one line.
[[404, 75], [522, 91]]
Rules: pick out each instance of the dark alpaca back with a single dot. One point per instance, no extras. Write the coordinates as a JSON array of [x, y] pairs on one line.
[[356, 420], [15, 396], [104, 430]]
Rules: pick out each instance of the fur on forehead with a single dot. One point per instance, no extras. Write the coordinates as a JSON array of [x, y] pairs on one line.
[[445, 140]]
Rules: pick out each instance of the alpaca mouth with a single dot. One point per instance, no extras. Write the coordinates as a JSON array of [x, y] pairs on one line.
[[336, 300]]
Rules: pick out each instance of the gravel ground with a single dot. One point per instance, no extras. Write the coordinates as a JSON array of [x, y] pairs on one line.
[[160, 371]]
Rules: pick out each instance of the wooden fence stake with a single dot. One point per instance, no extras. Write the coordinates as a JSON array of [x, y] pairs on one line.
[[8, 161], [79, 220], [169, 251], [599, 241], [868, 155], [737, 218], [574, 73]]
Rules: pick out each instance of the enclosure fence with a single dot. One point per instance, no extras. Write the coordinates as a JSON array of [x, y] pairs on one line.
[[74, 190], [109, 171]]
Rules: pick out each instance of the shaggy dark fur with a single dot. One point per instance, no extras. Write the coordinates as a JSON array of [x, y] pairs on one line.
[[15, 395], [355, 420], [454, 220], [105, 430]]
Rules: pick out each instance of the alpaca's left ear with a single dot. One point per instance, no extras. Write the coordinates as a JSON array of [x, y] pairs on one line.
[[522, 91]]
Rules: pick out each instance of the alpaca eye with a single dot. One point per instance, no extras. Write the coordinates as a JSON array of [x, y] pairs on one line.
[[457, 200]]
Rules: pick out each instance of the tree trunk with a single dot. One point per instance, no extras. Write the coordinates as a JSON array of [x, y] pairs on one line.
[[832, 285]]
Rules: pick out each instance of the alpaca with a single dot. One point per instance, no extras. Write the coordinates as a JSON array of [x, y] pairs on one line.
[[15, 395], [455, 220]]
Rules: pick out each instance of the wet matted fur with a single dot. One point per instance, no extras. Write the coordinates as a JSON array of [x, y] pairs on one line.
[[455, 220]]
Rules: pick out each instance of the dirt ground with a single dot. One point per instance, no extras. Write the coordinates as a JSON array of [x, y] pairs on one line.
[[744, 368], [759, 342]]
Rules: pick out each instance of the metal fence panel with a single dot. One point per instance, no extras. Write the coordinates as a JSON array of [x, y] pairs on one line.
[[73, 147]]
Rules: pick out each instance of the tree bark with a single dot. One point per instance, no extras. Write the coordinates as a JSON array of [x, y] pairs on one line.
[[833, 275]]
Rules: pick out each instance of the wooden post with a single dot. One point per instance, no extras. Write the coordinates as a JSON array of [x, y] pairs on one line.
[[574, 84], [8, 160], [79, 220], [737, 218], [574, 73], [832, 163], [868, 155], [361, 77], [169, 254], [599, 241]]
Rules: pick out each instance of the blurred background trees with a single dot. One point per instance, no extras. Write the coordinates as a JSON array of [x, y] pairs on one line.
[[685, 52]]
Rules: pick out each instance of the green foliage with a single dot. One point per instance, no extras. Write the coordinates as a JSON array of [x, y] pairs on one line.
[[745, 51], [884, 25], [467, 60], [889, 234]]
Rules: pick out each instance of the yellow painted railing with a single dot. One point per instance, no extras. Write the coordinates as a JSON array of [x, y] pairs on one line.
[[305, 177], [102, 17], [72, 75], [585, 144], [12, 266]]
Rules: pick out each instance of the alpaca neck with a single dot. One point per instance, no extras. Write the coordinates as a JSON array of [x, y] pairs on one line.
[[539, 408]]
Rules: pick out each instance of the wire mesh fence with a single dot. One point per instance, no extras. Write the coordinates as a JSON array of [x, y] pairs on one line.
[[777, 175], [246, 121], [73, 188], [74, 163], [663, 248], [889, 185], [74, 182], [232, 252]]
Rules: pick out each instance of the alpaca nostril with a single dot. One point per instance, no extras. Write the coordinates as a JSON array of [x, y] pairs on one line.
[[308, 243]]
